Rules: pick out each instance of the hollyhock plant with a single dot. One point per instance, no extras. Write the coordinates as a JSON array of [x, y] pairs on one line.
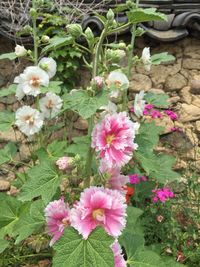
[[146, 58], [64, 163], [50, 105], [49, 65], [29, 120], [57, 215], [99, 206], [113, 138], [118, 256], [162, 194], [139, 104], [30, 81]]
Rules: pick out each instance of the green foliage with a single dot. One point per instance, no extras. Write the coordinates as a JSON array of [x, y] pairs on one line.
[[143, 15], [54, 87], [85, 105], [3, 245], [57, 42], [43, 181], [158, 100], [7, 119], [56, 149], [10, 90], [7, 153], [80, 146], [72, 250], [10, 56], [161, 58]]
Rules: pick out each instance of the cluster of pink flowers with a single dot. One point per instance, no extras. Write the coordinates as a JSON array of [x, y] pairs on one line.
[[173, 116], [136, 178], [113, 139], [162, 194], [154, 113]]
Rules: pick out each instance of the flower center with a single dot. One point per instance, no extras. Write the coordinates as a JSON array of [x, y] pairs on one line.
[[35, 81], [65, 222], [29, 119], [49, 104], [110, 138], [117, 83], [98, 214]]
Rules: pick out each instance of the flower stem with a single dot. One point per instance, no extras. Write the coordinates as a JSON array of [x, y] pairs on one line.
[[35, 38]]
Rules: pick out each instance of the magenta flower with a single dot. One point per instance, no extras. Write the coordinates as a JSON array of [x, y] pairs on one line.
[[162, 194], [173, 116], [64, 163], [57, 215], [156, 114], [118, 257], [99, 206], [147, 109], [176, 129], [113, 138], [136, 179]]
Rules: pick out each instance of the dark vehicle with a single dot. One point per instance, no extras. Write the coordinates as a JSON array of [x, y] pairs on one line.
[[183, 16]]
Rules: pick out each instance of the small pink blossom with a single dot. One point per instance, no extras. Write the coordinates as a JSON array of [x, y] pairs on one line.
[[99, 206], [147, 109], [118, 256], [113, 138], [64, 163], [156, 114], [173, 116], [98, 81], [136, 179], [162, 194], [176, 129], [57, 215]]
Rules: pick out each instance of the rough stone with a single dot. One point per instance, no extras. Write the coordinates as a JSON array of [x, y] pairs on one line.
[[195, 84], [165, 122], [185, 95], [180, 165], [140, 82], [81, 124], [174, 99], [191, 63], [4, 185], [189, 113], [156, 91], [175, 82], [196, 101], [197, 126], [11, 135]]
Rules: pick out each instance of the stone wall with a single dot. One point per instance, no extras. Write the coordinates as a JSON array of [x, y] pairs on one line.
[[180, 79]]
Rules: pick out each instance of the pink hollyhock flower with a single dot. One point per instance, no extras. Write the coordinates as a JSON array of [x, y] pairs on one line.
[[113, 138], [57, 215], [162, 194], [173, 116], [64, 163], [118, 257], [99, 206]]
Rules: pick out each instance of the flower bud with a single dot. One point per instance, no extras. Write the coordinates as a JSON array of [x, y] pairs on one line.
[[45, 39], [75, 30], [98, 82], [115, 55], [122, 45], [110, 15], [20, 51], [89, 34], [33, 12], [64, 163]]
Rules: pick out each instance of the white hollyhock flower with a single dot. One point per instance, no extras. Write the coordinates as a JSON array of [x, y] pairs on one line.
[[50, 105], [29, 120], [30, 80], [49, 65], [139, 104], [20, 51], [146, 58], [111, 108]]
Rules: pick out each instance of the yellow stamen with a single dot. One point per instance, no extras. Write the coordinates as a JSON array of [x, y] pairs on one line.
[[97, 213], [110, 138], [35, 81]]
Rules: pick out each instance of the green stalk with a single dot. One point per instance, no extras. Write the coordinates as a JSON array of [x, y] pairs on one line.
[[35, 40]]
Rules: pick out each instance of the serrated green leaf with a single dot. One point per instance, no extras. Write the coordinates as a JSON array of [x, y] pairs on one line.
[[146, 258], [158, 100], [7, 153], [54, 87], [57, 42], [7, 119], [170, 262], [10, 56], [72, 250], [10, 90], [80, 146], [57, 149], [43, 181], [85, 105], [143, 15], [3, 245], [157, 59]]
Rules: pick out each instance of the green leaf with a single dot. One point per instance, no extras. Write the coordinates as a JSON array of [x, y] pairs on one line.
[[72, 250], [10, 90], [30, 221], [161, 58], [80, 146], [57, 42], [7, 119], [54, 87], [146, 258], [10, 56], [85, 105], [143, 15], [7, 153], [3, 245], [158, 100], [170, 262], [57, 149], [43, 181]]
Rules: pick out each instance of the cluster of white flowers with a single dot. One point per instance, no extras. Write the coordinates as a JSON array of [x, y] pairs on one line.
[[28, 119]]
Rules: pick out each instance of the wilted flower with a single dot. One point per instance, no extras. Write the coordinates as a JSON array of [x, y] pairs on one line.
[[99, 206], [113, 138], [159, 218], [118, 256], [64, 163], [50, 105], [57, 215], [20, 51], [49, 65], [146, 58], [30, 81], [162, 194], [29, 120], [139, 104]]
